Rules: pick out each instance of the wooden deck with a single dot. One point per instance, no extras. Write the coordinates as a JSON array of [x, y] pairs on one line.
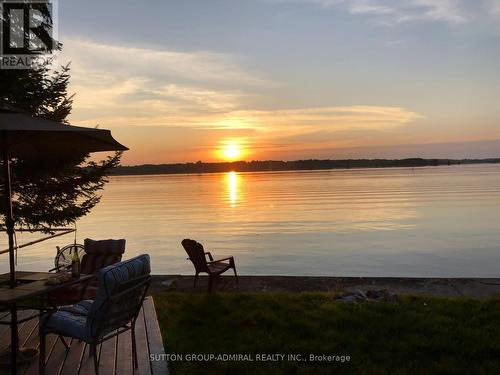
[[115, 355]]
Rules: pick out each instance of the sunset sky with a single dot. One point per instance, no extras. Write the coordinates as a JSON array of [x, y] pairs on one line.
[[189, 80]]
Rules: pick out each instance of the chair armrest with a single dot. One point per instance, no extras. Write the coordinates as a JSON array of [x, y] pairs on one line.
[[230, 258], [209, 255]]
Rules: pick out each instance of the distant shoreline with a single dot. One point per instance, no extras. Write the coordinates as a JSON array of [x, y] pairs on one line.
[[296, 165]]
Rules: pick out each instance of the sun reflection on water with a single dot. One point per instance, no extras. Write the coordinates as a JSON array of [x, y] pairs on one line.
[[232, 179]]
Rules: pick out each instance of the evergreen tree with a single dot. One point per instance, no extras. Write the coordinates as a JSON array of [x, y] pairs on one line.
[[50, 192]]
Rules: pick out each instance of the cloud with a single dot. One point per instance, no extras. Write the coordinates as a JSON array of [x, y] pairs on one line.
[[330, 118], [163, 63], [494, 8], [400, 11], [115, 100], [117, 85]]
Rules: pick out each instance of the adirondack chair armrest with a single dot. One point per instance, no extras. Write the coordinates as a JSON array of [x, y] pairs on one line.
[[230, 259]]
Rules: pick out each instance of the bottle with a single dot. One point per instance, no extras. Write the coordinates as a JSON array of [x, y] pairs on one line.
[[75, 265]]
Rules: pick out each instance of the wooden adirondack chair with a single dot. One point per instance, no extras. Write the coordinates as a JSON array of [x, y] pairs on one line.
[[213, 267]]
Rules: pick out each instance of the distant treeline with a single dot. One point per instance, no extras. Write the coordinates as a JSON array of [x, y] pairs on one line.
[[273, 165]]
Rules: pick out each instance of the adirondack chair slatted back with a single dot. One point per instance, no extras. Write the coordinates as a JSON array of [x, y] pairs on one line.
[[101, 253], [196, 254], [122, 289]]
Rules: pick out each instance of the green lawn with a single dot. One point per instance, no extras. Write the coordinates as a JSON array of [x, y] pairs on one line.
[[414, 335]]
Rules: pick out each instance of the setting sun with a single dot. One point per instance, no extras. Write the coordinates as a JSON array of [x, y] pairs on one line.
[[231, 152], [231, 149]]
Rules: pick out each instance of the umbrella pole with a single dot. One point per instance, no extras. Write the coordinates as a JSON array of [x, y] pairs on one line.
[[9, 225], [9, 217]]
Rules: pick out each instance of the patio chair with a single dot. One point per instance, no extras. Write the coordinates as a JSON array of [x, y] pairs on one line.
[[122, 289], [214, 267], [97, 254]]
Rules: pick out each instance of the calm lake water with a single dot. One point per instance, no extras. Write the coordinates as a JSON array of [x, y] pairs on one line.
[[440, 221]]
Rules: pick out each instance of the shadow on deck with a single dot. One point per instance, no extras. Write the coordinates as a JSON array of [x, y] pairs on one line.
[[115, 355]]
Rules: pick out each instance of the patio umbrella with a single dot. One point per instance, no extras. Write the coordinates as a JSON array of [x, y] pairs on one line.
[[24, 135]]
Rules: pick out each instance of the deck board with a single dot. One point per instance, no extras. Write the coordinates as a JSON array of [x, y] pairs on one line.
[[107, 358], [155, 341], [144, 367], [56, 359], [115, 355], [72, 362], [124, 354], [87, 363], [32, 367]]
